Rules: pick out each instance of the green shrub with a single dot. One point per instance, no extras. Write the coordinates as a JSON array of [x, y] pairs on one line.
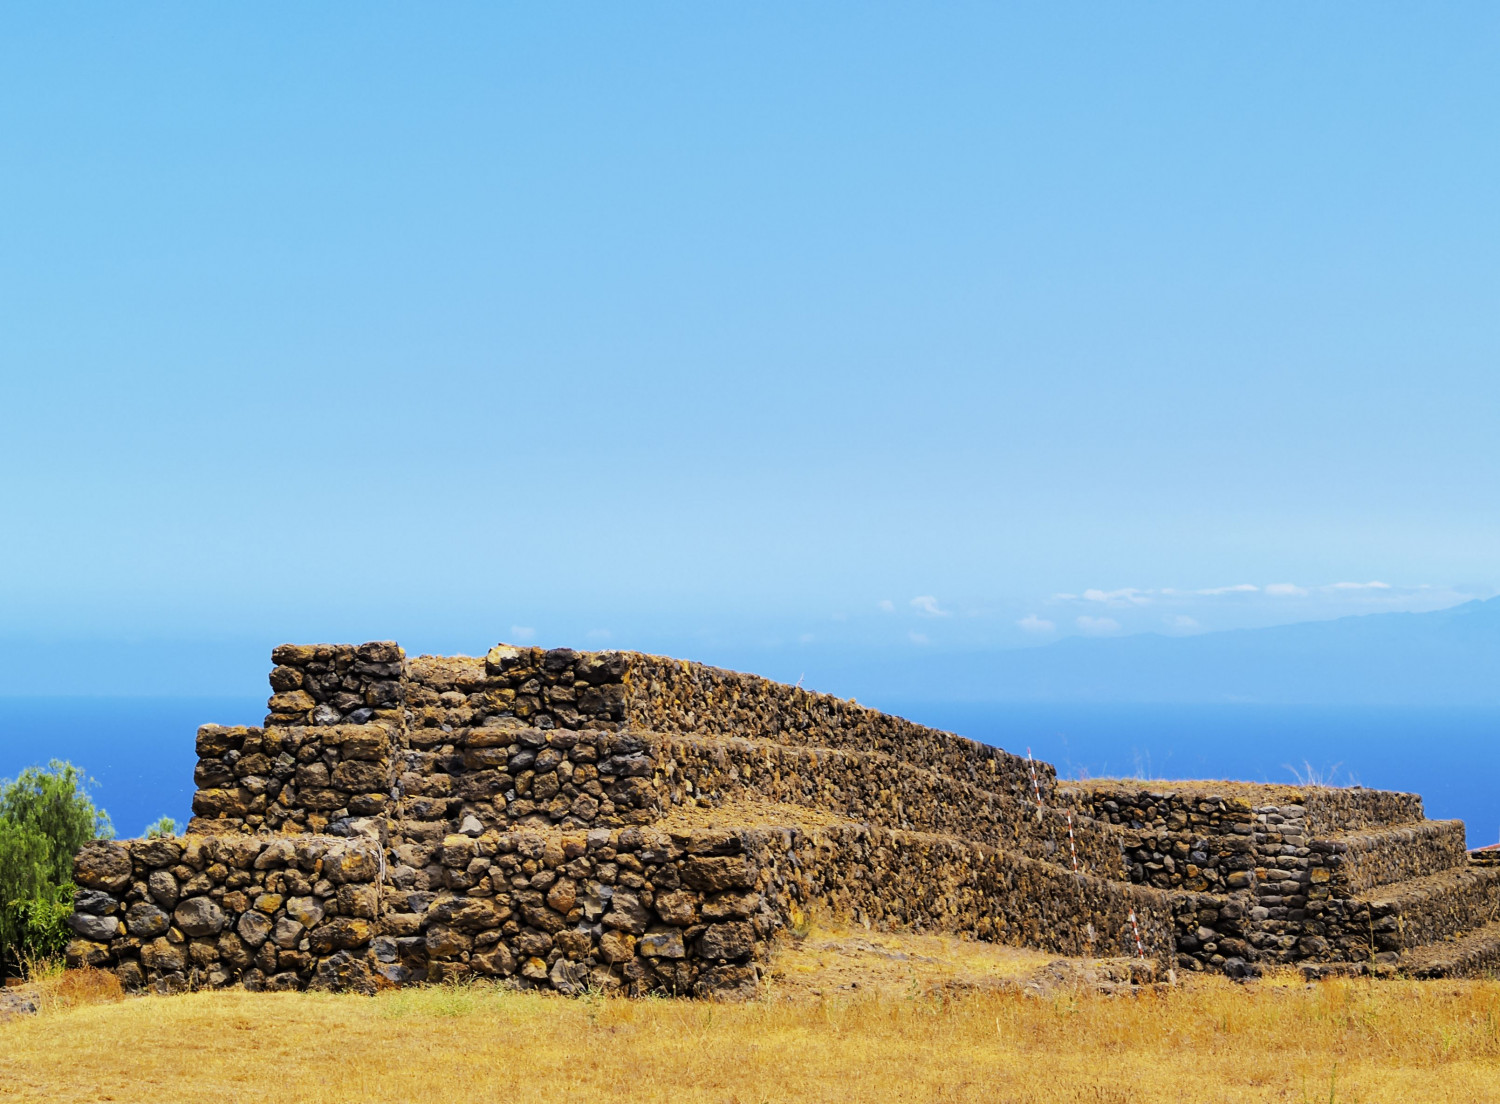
[[45, 817], [44, 931], [165, 828]]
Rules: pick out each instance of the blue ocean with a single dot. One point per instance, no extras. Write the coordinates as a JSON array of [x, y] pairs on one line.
[[1451, 756], [140, 751]]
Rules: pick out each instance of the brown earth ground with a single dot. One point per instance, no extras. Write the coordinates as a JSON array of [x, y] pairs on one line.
[[1257, 793], [849, 1015]]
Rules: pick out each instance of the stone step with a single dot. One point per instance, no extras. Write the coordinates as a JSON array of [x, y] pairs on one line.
[[669, 695], [1221, 837], [631, 691], [1374, 927], [1333, 810], [290, 779], [1359, 862], [924, 881], [1472, 954], [1421, 911], [875, 788], [493, 777], [1206, 808]]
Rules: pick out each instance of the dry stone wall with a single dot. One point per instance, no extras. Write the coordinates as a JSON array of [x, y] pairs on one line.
[[874, 788], [292, 778], [668, 695], [616, 690], [634, 909], [1424, 910], [499, 775], [1173, 840], [912, 880], [286, 913], [693, 911], [494, 817], [505, 774], [1329, 810], [402, 820], [331, 684], [1361, 861], [1287, 882]]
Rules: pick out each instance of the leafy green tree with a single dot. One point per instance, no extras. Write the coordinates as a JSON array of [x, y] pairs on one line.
[[24, 861], [45, 817]]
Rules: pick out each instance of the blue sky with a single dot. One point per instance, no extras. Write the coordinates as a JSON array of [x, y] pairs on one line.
[[737, 331]]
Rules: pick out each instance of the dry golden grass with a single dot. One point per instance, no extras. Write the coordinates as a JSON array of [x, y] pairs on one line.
[[64, 989], [53, 989], [1342, 1040]]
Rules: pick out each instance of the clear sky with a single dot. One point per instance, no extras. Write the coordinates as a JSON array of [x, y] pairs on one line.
[[714, 328]]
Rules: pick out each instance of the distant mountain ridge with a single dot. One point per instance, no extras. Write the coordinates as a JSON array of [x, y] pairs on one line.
[[1446, 657]]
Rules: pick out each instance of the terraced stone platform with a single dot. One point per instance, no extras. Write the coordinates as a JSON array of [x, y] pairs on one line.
[[616, 820], [1317, 877]]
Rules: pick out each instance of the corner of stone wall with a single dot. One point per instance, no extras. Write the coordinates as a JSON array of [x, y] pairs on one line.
[[326, 756], [213, 910], [333, 684], [293, 779]]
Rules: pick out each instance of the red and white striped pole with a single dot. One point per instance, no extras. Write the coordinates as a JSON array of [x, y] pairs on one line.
[[1139, 949], [1072, 847], [1035, 785]]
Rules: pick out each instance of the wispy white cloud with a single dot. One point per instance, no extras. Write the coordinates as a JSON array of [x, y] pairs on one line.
[[1239, 595], [885, 605], [599, 634], [1182, 622], [1125, 596], [1098, 626], [806, 638], [918, 638], [522, 634], [927, 606], [1034, 624]]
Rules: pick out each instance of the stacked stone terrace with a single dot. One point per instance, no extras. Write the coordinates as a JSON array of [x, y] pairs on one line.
[[1336, 880], [623, 821]]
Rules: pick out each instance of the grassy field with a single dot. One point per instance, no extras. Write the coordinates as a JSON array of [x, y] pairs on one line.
[[1277, 1040]]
